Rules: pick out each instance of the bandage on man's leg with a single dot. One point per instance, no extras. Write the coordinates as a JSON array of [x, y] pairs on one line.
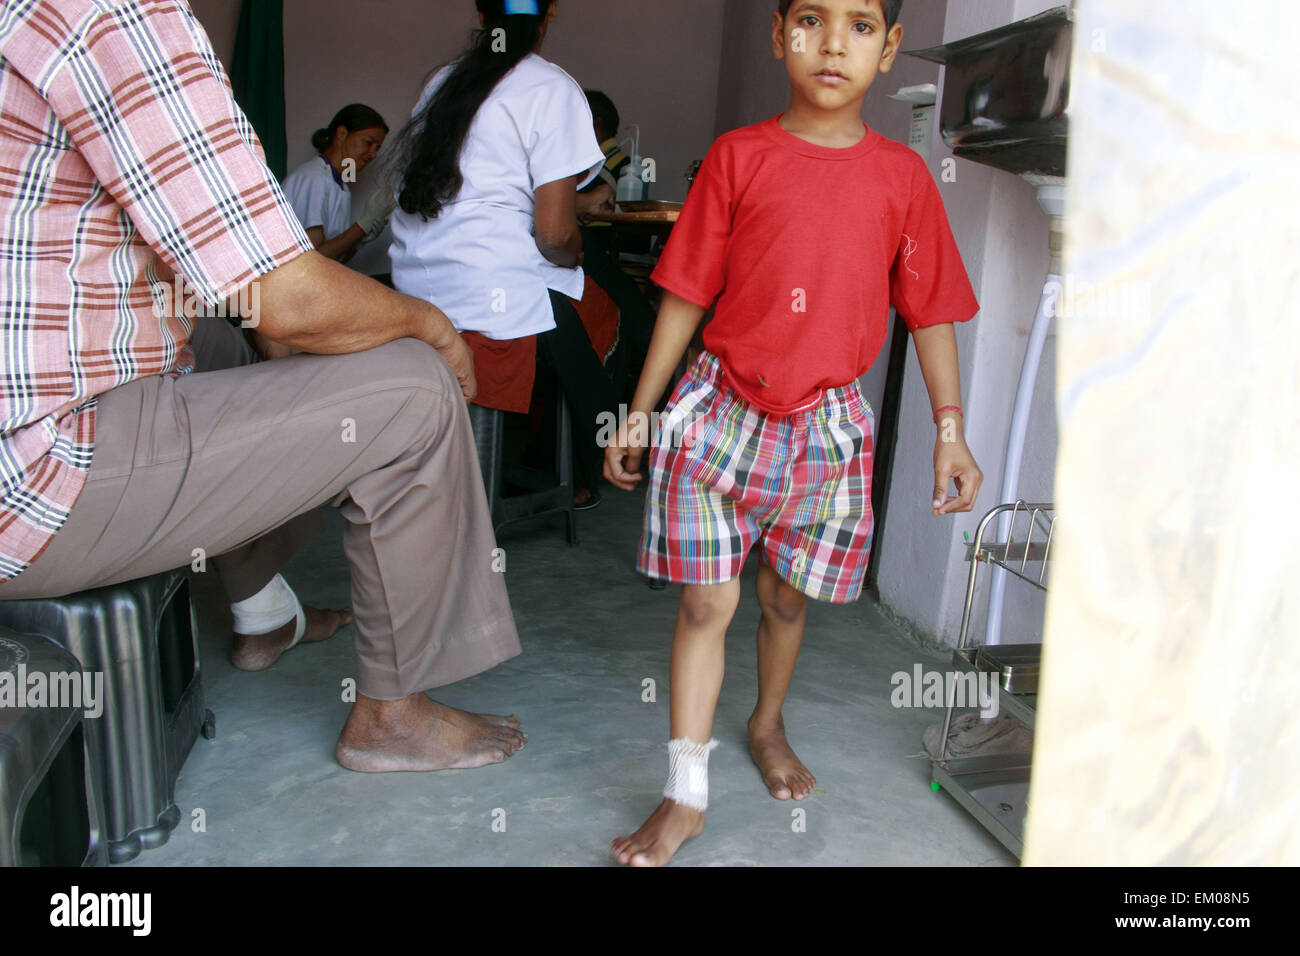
[[269, 610]]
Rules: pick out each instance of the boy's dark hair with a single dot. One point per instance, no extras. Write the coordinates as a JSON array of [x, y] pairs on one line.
[[892, 9], [428, 151], [352, 118], [603, 108]]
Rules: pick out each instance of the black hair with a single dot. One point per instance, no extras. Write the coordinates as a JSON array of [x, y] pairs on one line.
[[603, 108], [354, 117], [892, 9], [428, 152]]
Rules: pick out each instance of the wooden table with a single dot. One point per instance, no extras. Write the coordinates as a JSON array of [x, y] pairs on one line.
[[653, 217]]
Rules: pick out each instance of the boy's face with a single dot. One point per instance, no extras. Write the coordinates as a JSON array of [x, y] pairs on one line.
[[833, 49]]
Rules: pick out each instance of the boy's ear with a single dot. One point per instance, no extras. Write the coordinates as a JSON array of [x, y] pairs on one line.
[[778, 35], [892, 42]]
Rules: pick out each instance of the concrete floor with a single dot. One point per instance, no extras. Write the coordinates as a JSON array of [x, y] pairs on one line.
[[271, 793]]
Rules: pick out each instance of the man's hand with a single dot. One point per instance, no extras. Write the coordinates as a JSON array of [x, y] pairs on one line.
[[596, 204], [461, 360], [622, 459], [953, 461]]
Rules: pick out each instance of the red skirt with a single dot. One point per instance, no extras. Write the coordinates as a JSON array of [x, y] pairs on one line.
[[505, 368]]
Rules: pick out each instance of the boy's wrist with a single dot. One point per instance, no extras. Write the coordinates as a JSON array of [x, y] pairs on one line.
[[949, 423], [948, 411]]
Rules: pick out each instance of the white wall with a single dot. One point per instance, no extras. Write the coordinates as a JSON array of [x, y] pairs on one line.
[[1002, 234]]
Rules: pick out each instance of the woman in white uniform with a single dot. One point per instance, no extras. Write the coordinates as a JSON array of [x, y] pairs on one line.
[[486, 225], [319, 192]]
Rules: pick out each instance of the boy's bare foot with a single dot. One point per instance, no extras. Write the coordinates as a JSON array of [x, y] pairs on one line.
[[783, 773], [420, 734], [257, 652], [654, 844]]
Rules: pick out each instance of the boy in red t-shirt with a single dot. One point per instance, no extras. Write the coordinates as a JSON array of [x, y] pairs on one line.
[[800, 231]]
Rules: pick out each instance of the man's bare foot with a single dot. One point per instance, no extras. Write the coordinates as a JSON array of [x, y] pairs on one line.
[[257, 652], [654, 844], [420, 734], [783, 773]]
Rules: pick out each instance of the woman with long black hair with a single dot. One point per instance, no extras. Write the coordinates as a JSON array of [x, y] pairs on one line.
[[486, 226]]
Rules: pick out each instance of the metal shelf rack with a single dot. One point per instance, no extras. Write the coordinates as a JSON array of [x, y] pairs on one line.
[[995, 788]]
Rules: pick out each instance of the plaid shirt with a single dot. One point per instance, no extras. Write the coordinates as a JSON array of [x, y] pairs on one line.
[[119, 141]]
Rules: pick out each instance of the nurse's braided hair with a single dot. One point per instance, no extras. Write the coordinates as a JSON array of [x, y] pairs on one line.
[[428, 157]]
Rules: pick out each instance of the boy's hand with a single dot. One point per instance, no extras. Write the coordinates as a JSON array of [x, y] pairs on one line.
[[954, 461], [622, 461]]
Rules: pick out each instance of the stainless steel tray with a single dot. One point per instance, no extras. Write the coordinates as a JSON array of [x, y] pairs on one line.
[[993, 789], [1017, 665]]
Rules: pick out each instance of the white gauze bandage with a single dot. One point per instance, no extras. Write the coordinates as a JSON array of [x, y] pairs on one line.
[[688, 773], [270, 609]]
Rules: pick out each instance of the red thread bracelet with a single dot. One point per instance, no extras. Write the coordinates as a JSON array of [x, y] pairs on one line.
[[947, 408]]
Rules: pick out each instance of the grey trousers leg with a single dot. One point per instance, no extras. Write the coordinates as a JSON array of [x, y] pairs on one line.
[[216, 459]]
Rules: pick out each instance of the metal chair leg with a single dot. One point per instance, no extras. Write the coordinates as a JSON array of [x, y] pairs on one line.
[[488, 425], [564, 465]]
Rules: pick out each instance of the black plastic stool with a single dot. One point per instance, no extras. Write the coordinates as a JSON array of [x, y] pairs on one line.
[[51, 811], [547, 494], [141, 636]]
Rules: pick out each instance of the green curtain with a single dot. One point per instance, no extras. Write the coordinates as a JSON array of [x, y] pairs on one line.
[[257, 76]]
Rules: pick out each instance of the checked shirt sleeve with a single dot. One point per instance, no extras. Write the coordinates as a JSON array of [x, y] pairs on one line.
[[145, 102]]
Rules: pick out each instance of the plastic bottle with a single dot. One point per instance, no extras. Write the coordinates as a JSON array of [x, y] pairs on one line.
[[629, 184]]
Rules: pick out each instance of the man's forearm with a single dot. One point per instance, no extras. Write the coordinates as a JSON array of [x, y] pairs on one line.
[[317, 305]]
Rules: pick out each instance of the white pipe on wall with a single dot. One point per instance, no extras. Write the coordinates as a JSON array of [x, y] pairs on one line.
[[1051, 196], [1016, 442]]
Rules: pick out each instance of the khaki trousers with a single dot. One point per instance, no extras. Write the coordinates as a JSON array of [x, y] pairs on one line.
[[235, 458]]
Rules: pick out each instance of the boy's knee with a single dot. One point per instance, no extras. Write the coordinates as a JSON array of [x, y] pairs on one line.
[[709, 605], [779, 600]]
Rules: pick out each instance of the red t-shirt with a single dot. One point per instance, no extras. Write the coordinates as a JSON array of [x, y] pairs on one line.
[[803, 247]]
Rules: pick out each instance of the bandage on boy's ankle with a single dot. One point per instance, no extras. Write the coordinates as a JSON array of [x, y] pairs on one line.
[[688, 773]]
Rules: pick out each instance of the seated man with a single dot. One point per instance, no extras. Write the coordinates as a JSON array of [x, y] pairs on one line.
[[636, 318], [134, 438], [605, 123]]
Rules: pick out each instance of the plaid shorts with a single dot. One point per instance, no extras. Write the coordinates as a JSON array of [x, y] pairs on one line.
[[725, 475]]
